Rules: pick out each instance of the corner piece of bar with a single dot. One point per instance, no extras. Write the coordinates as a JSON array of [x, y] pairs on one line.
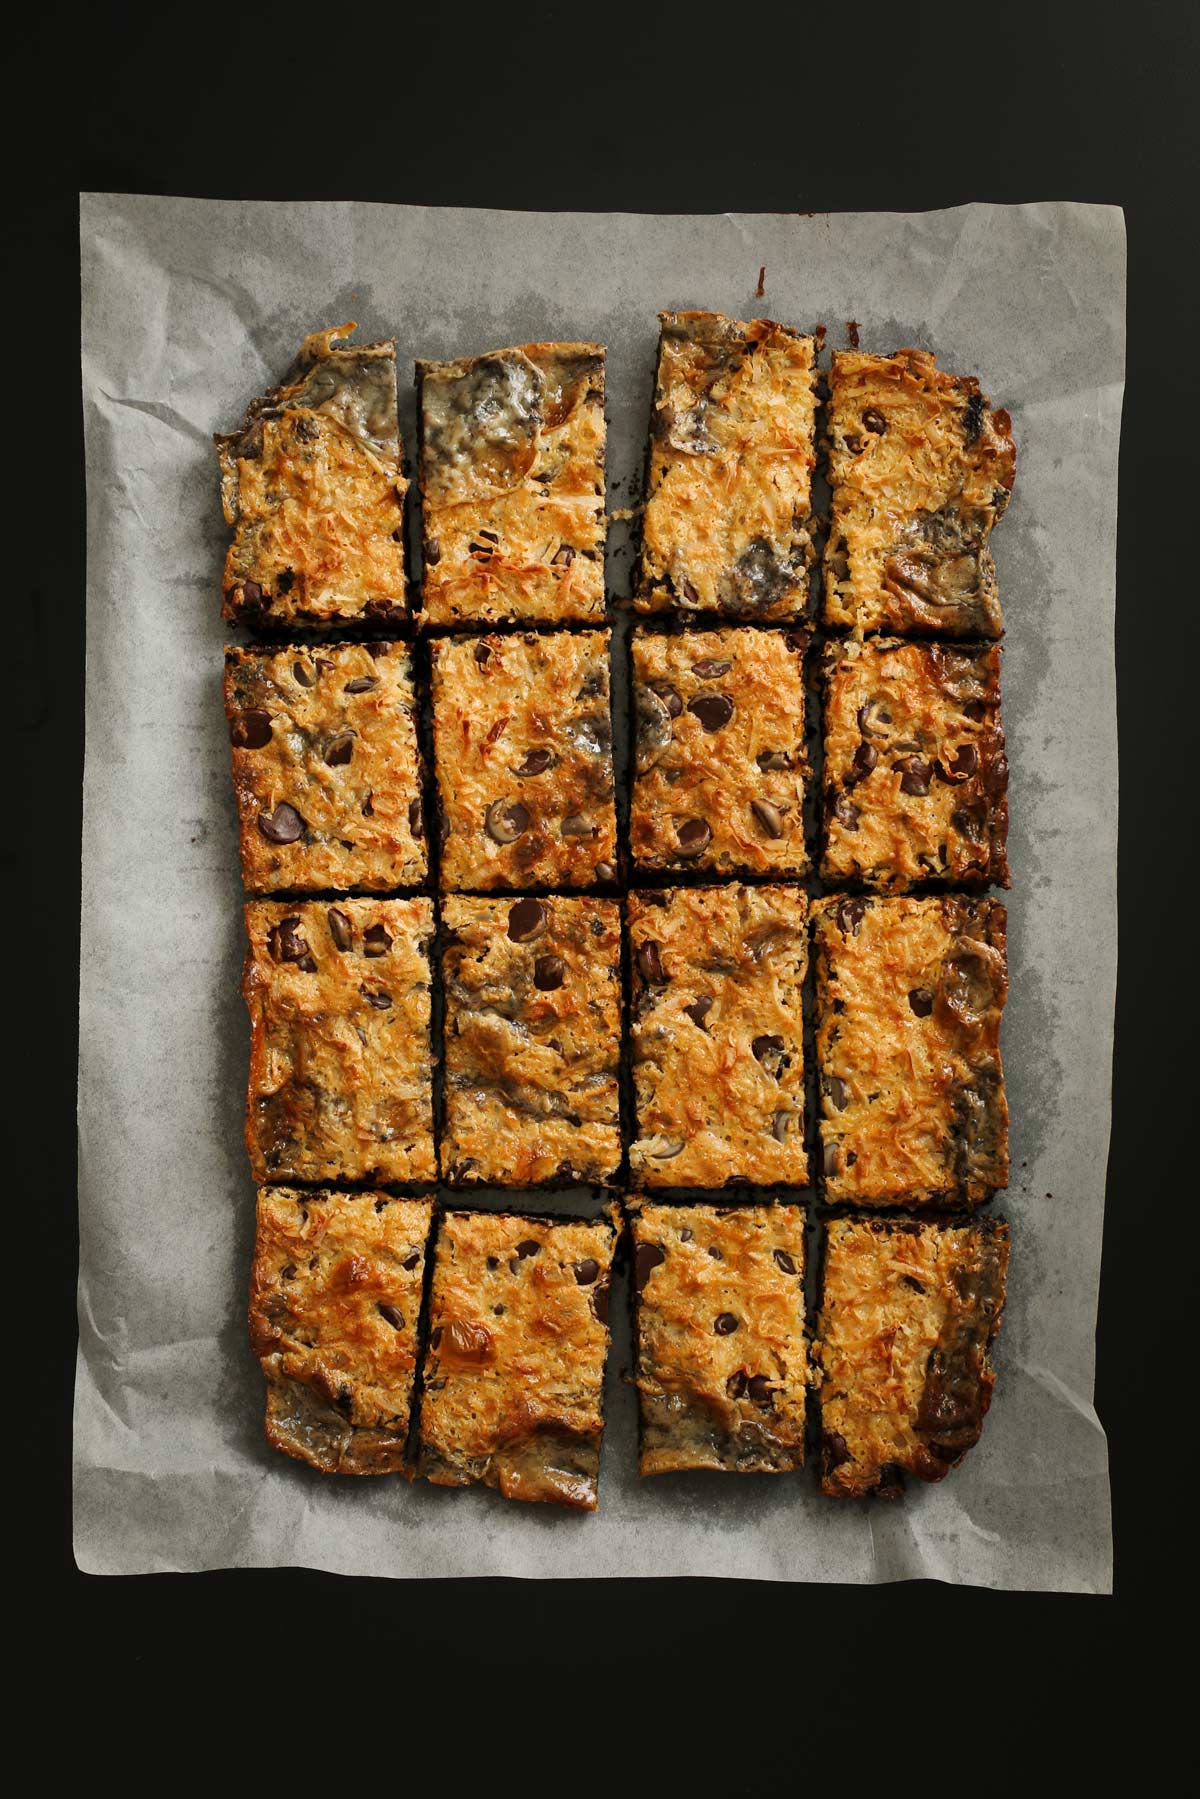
[[335, 1301], [313, 487], [902, 1359], [512, 485], [728, 522], [921, 467]]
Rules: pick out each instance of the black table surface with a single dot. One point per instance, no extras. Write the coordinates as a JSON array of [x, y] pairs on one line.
[[644, 109]]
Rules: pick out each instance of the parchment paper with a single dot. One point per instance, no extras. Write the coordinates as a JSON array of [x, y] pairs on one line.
[[189, 308]]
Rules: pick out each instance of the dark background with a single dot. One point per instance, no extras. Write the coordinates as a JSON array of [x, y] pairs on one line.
[[734, 1687]]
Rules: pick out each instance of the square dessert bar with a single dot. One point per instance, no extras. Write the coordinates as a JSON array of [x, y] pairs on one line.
[[513, 1378], [719, 1325], [921, 468], [718, 1035], [340, 1055], [326, 767], [512, 484], [335, 1301], [915, 778], [728, 520], [533, 1034], [523, 743], [720, 761], [902, 1356], [909, 998], [313, 486]]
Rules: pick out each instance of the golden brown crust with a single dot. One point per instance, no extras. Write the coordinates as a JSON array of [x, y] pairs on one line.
[[340, 1057], [523, 740], [512, 484], [513, 1387], [335, 1300], [313, 486], [718, 1035], [915, 777], [326, 767], [727, 526], [909, 999], [720, 751], [921, 469], [722, 1371], [533, 1003], [903, 1353]]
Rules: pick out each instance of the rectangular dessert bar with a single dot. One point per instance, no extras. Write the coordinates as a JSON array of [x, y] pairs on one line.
[[728, 520], [719, 1324], [903, 1353], [523, 744], [720, 762], [335, 1301], [533, 1032], [909, 998], [340, 1054], [718, 1035], [512, 485], [326, 767], [915, 777], [921, 468], [513, 1378], [313, 486]]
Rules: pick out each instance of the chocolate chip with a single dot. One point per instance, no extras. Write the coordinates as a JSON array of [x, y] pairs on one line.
[[340, 749], [973, 418], [874, 421], [725, 1324], [576, 825], [586, 1271], [834, 1449], [600, 1303], [416, 823], [534, 762], [506, 820], [252, 593], [694, 836], [961, 766], [564, 556], [871, 716], [288, 943], [711, 669], [831, 1157], [865, 758], [362, 684], [394, 1316], [527, 920], [780, 1125], [647, 1259], [528, 1248], [908, 1281], [483, 654], [758, 1389], [368, 808], [605, 872], [411, 1261], [785, 1261], [769, 1045], [288, 1273], [837, 1092], [284, 825], [686, 1234], [699, 1010], [772, 759], [846, 814], [376, 941], [649, 961], [549, 972], [433, 552], [915, 775], [850, 915], [250, 730], [718, 1255], [339, 928], [669, 697], [769, 817], [690, 594], [995, 773], [377, 998], [974, 709], [921, 1001], [714, 710], [305, 676]]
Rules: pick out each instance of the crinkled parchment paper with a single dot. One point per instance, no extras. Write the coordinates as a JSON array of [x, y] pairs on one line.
[[189, 308]]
